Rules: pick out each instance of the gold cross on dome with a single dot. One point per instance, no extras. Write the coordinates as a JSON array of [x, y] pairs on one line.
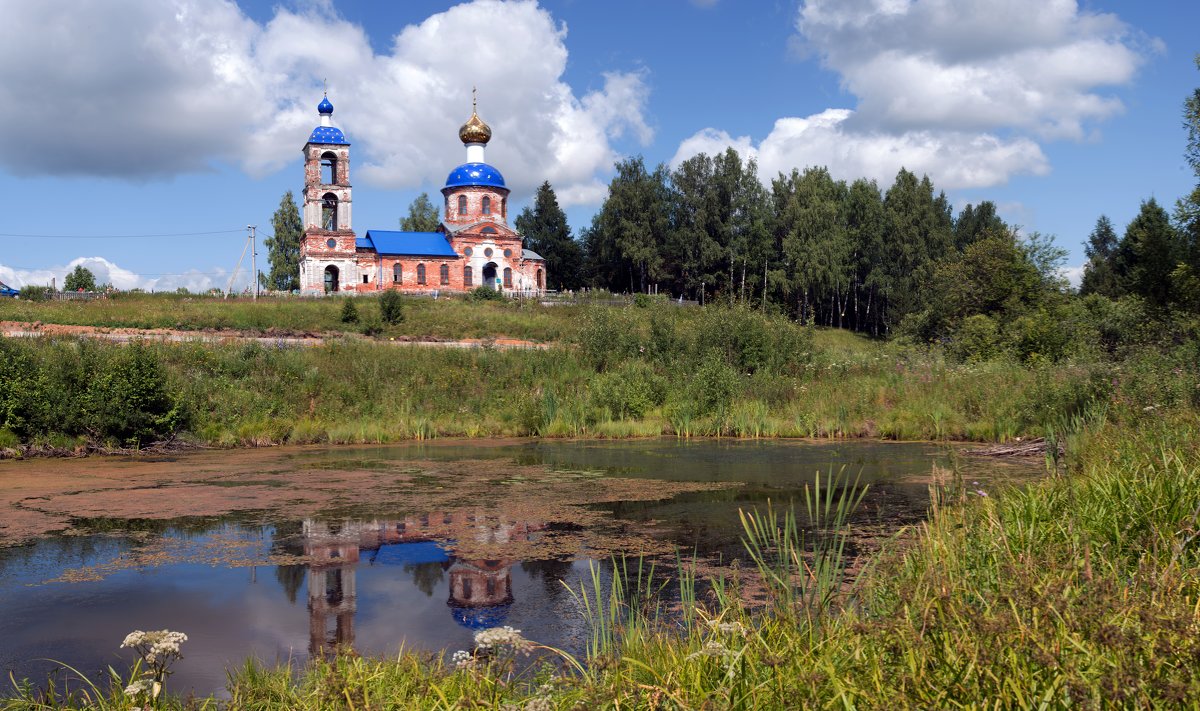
[[472, 99]]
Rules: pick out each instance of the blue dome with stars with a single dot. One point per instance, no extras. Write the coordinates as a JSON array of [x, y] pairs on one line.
[[475, 174], [328, 134], [325, 108]]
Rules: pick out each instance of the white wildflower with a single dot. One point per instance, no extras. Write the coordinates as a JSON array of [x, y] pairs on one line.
[[711, 648], [140, 686], [462, 659], [539, 703], [497, 637], [733, 628]]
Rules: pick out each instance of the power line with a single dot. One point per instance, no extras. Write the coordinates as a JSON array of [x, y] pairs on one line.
[[175, 234]]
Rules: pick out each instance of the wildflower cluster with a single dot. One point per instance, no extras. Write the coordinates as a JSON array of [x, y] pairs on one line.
[[462, 660], [158, 650], [497, 638]]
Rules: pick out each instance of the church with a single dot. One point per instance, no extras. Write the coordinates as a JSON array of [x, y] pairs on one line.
[[474, 246]]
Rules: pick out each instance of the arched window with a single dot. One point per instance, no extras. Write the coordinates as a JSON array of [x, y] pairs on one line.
[[331, 279], [328, 169], [540, 280], [487, 205], [420, 273], [444, 274], [462, 204], [507, 278], [397, 273], [467, 279], [504, 207], [488, 231], [329, 210]]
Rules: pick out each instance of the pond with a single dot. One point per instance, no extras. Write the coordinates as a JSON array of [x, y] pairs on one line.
[[284, 553]]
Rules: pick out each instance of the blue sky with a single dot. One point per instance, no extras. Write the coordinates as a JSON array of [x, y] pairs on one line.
[[135, 117]]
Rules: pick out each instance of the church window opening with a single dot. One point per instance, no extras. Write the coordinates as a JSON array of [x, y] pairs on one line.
[[487, 252], [329, 210], [331, 243], [397, 273], [420, 273], [462, 204], [507, 278], [507, 253], [467, 281], [444, 274], [503, 207], [328, 169], [365, 281], [468, 251], [540, 280], [488, 231], [487, 205], [466, 588], [331, 279]]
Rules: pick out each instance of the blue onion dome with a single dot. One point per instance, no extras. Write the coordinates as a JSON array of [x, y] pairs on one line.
[[325, 108], [475, 174]]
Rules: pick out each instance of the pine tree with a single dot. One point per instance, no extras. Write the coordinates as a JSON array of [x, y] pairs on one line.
[[544, 227], [283, 247], [1099, 276], [422, 216], [1148, 254]]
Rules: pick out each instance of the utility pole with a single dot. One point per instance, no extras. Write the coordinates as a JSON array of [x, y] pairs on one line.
[[253, 262]]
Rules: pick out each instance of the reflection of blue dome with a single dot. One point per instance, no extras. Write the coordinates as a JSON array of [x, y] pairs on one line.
[[325, 108], [475, 174], [328, 134], [480, 618]]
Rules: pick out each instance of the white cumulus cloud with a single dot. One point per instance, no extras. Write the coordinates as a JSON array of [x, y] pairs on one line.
[[108, 272], [144, 89], [963, 90]]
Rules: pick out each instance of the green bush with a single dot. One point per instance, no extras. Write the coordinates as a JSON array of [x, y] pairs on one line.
[[630, 391], [130, 400], [35, 293], [977, 339], [484, 293], [713, 387], [349, 311], [642, 301], [391, 310]]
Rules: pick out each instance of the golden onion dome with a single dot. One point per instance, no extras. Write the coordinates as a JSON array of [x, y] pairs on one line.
[[475, 130]]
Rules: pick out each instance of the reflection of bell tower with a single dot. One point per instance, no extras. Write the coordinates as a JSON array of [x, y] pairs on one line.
[[331, 586], [327, 251]]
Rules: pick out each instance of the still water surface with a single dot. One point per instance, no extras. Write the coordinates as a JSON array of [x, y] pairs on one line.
[[280, 587]]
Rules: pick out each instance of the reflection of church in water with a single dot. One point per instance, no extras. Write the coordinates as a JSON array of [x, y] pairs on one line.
[[480, 590]]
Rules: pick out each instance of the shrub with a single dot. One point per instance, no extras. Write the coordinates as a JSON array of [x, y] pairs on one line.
[[630, 391], [977, 339], [349, 311], [130, 399], [484, 293], [35, 293], [642, 301], [390, 308], [713, 387]]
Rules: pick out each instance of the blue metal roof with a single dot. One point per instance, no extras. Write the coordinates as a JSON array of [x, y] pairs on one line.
[[475, 174], [417, 244], [328, 134], [410, 554]]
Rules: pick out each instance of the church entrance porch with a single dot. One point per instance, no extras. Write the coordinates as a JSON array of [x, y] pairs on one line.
[[489, 275]]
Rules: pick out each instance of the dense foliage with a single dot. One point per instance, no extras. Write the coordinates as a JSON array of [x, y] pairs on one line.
[[422, 216], [544, 227], [80, 279], [283, 247]]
